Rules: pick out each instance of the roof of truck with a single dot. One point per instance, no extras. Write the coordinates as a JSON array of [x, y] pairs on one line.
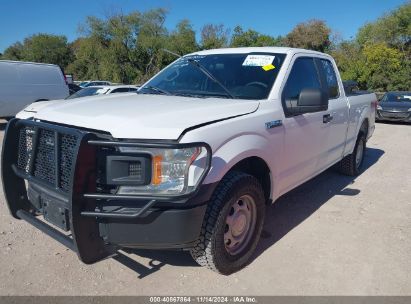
[[268, 49], [29, 62]]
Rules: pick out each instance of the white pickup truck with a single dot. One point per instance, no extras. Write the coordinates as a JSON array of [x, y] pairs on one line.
[[190, 161]]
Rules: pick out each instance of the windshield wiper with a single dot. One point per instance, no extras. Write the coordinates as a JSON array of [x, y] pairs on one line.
[[209, 75], [156, 89], [202, 69]]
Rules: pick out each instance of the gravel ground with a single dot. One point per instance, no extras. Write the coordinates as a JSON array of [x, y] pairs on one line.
[[334, 235]]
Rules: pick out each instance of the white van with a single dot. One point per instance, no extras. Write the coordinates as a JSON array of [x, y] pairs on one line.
[[22, 83]]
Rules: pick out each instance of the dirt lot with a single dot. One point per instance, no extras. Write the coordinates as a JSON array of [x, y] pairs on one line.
[[332, 236]]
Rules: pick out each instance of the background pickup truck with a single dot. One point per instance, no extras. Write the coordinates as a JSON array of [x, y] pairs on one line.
[[191, 160]]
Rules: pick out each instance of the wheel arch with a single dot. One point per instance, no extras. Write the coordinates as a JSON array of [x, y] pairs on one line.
[[254, 160], [364, 127], [258, 168]]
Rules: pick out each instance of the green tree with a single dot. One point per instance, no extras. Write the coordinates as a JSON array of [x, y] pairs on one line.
[[152, 38], [13, 52], [393, 29], [348, 56], [252, 38], [313, 35], [385, 47], [121, 48], [87, 63], [383, 68], [214, 36], [43, 48], [183, 39]]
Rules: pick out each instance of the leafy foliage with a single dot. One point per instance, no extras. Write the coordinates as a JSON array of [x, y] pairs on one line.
[[251, 37], [393, 29], [214, 36], [41, 48], [313, 34], [128, 48], [379, 57]]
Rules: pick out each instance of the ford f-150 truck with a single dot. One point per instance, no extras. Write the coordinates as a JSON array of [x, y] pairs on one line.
[[190, 161]]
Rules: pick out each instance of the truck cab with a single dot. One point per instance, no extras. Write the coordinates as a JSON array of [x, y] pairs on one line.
[[189, 162]]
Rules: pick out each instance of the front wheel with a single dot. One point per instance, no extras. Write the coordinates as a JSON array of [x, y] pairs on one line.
[[232, 224]]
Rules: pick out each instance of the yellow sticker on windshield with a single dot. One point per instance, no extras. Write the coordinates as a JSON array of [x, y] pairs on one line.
[[268, 67]]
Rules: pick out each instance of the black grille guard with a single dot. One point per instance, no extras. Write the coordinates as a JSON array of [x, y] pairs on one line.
[[79, 197]]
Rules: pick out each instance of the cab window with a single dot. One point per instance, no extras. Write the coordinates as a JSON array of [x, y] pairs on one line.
[[330, 78], [303, 75]]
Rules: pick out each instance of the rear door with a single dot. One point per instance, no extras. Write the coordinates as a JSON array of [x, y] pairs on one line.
[[306, 135], [338, 110]]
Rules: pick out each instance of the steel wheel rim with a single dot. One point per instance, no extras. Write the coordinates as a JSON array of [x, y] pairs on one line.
[[360, 153], [240, 224]]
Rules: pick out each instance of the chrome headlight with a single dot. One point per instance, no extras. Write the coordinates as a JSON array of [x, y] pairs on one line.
[[173, 171]]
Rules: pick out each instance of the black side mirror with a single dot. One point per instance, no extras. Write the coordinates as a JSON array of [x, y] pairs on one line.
[[309, 101]]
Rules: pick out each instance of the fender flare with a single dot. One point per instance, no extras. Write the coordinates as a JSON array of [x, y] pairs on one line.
[[235, 150]]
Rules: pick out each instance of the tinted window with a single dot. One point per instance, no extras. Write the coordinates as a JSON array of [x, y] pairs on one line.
[[120, 90], [88, 92], [397, 97], [303, 75], [330, 77], [246, 76], [94, 83]]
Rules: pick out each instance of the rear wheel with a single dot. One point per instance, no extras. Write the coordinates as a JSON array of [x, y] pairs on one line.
[[351, 164], [232, 224]]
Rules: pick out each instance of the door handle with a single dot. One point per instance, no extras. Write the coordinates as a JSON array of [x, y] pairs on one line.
[[327, 118]]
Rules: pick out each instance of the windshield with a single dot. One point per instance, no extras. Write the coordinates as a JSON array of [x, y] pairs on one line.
[[240, 76], [88, 92], [397, 97]]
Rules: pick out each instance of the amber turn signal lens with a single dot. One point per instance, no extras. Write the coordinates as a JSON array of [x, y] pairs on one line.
[[156, 179]]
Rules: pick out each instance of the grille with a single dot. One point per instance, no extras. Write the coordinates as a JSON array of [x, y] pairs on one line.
[[25, 148], [394, 114], [53, 158], [45, 163], [67, 154], [134, 169]]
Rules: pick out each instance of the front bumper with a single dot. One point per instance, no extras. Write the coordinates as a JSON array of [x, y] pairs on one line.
[[383, 115], [98, 223]]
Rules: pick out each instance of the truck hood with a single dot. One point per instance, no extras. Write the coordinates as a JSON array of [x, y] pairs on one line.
[[145, 116]]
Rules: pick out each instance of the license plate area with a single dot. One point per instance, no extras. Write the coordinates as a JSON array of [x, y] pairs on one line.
[[55, 213], [55, 210], [395, 114]]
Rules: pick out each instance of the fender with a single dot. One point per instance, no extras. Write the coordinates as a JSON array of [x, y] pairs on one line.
[[361, 114], [237, 149]]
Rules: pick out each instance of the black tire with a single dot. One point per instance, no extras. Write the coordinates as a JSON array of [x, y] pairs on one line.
[[210, 249], [349, 165]]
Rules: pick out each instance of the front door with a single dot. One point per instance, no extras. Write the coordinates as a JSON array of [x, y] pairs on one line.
[[306, 135]]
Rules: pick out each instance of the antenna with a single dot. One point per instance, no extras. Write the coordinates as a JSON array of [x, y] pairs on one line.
[[172, 53]]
